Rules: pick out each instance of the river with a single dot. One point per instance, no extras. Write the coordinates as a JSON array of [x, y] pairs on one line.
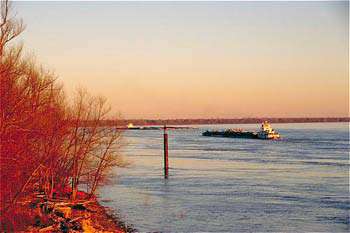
[[298, 183]]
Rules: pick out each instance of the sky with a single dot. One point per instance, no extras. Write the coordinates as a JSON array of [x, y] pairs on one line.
[[197, 59]]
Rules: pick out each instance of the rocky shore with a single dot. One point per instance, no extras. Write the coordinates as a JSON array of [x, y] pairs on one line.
[[63, 215]]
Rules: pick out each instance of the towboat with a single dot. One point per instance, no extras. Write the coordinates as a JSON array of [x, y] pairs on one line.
[[267, 132]]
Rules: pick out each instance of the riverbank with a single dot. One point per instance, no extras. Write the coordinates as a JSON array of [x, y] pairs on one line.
[[63, 215]]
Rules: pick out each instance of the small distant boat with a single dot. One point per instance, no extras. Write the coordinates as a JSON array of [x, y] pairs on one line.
[[266, 132]]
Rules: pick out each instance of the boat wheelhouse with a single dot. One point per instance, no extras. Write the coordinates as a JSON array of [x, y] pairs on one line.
[[267, 132]]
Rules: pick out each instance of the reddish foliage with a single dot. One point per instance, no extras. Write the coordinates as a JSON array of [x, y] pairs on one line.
[[32, 127], [44, 146]]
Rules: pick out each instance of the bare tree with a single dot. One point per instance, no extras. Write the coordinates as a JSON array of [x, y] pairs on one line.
[[86, 145], [46, 142], [10, 27]]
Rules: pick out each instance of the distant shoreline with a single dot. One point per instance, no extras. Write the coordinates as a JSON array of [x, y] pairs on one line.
[[150, 122]]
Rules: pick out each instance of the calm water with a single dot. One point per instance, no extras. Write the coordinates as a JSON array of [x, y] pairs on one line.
[[299, 183]]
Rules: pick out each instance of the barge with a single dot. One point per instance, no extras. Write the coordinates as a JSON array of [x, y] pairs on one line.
[[266, 132]]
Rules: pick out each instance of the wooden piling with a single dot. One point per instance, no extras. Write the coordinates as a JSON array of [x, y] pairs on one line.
[[166, 162]]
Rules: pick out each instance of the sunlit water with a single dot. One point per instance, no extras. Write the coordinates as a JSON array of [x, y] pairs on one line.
[[299, 183]]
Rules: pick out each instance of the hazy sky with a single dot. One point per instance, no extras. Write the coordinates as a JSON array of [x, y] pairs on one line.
[[198, 59]]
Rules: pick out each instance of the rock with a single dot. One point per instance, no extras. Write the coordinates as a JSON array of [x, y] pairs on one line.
[[58, 213], [79, 207], [64, 227], [65, 211]]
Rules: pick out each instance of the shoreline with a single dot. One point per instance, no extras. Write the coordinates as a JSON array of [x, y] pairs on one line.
[[63, 215], [113, 216]]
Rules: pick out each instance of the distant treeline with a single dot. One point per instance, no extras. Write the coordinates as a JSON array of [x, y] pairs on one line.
[[221, 121]]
